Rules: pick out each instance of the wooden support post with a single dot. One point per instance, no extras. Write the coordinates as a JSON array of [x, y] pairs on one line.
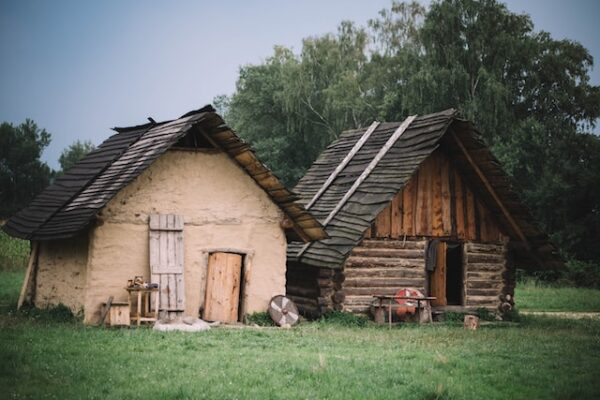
[[29, 274]]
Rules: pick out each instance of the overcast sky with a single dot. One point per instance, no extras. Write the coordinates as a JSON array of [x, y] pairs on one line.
[[78, 68]]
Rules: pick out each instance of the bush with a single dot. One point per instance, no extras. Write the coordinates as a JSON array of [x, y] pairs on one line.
[[344, 319], [260, 319], [583, 274], [57, 313], [14, 253]]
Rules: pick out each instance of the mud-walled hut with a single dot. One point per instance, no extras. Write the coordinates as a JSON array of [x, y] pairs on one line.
[[418, 204], [183, 203]]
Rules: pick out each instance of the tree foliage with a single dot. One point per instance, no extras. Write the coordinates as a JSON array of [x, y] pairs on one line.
[[75, 152], [22, 174], [528, 94]]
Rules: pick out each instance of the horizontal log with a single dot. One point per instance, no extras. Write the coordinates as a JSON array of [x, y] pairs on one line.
[[483, 292], [472, 284], [337, 286], [489, 276], [485, 258], [325, 272], [394, 244], [485, 267], [375, 291], [471, 247], [378, 262], [302, 302], [358, 300], [384, 282], [324, 282], [338, 307], [324, 301], [301, 291], [387, 252], [391, 272], [326, 292], [491, 301]]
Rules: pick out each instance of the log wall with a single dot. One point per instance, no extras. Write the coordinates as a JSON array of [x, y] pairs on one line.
[[437, 202], [382, 267], [489, 276]]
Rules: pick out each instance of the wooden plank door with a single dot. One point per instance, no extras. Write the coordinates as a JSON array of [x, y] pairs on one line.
[[166, 261], [438, 277], [223, 287]]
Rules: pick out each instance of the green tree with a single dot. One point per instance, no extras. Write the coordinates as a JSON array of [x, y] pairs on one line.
[[22, 174], [528, 94], [75, 152]]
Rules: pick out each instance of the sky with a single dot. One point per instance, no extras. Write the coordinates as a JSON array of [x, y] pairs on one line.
[[78, 68]]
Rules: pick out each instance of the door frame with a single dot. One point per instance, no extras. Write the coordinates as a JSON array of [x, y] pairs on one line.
[[247, 257], [463, 261]]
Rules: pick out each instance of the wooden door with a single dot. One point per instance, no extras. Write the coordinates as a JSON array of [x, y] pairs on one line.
[[437, 283], [166, 261], [223, 287]]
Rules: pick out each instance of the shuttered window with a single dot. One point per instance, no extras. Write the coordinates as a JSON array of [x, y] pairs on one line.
[[166, 260]]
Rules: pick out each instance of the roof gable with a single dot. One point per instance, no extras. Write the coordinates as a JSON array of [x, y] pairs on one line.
[[67, 206], [422, 137]]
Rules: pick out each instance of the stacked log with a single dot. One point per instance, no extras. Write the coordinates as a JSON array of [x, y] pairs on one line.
[[382, 267], [486, 274], [302, 288]]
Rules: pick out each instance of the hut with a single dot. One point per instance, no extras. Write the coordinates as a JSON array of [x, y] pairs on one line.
[[419, 204], [183, 203]]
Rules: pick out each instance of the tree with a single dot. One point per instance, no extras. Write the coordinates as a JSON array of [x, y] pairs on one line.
[[22, 174], [528, 94], [75, 152]]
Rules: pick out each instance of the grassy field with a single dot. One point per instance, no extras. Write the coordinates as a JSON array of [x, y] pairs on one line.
[[539, 358], [535, 296]]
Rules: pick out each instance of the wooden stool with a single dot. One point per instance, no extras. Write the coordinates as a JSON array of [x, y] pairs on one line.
[[143, 312]]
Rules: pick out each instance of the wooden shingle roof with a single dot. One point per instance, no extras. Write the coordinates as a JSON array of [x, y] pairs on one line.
[[68, 205], [363, 198]]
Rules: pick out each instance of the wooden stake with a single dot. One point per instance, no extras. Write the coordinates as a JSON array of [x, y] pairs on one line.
[[29, 274]]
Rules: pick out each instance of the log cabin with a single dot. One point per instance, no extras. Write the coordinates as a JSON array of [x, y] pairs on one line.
[[185, 204], [419, 204]]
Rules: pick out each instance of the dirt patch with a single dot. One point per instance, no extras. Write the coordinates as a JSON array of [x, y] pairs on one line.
[[563, 314]]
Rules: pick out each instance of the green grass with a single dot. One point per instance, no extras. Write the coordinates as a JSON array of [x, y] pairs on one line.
[[536, 296], [539, 358]]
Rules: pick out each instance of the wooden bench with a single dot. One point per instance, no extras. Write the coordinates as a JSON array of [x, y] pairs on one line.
[[380, 307]]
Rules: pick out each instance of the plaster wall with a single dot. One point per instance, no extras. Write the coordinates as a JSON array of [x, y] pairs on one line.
[[61, 273], [222, 207]]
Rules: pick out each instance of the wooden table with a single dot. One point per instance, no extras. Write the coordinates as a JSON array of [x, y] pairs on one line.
[[143, 314], [392, 298]]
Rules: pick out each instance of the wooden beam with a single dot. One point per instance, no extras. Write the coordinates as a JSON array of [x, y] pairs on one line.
[[357, 146], [29, 274], [491, 190]]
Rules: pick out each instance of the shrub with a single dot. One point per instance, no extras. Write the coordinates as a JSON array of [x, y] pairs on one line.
[[344, 319], [57, 313], [260, 319], [583, 274]]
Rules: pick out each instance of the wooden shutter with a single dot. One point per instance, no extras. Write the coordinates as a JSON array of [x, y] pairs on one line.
[[438, 277], [223, 287], [166, 260]]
